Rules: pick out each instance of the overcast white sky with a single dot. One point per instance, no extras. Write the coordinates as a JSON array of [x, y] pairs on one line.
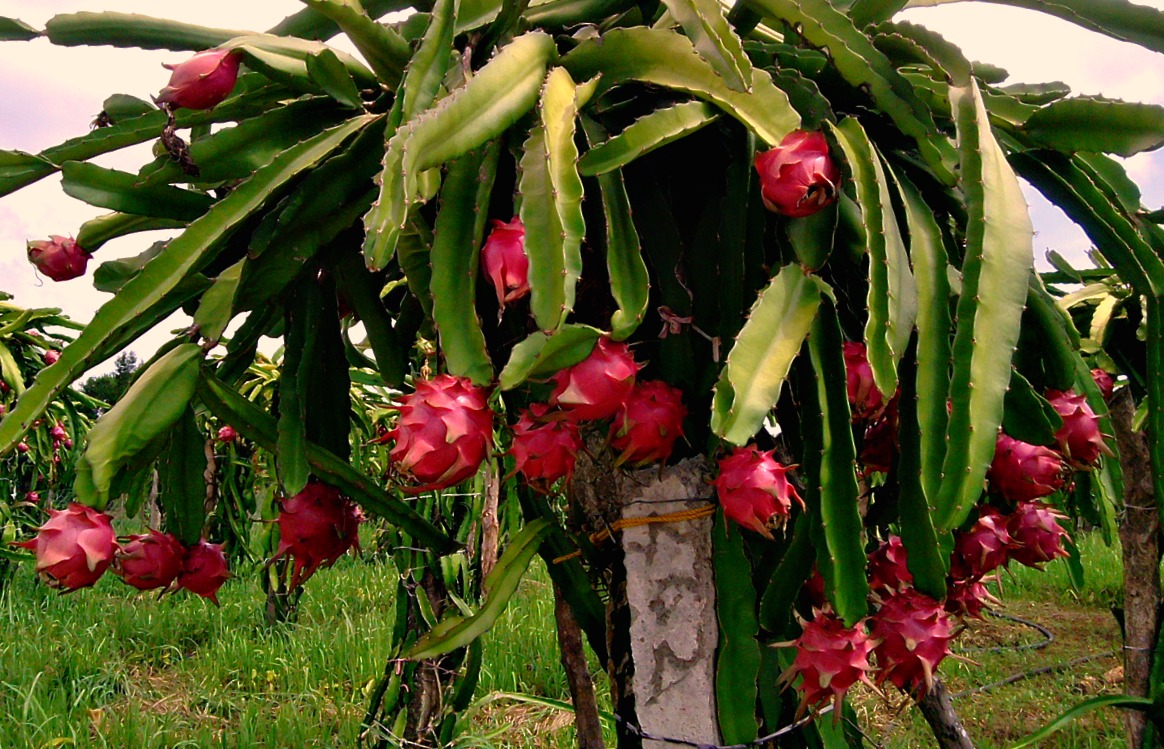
[[52, 93]]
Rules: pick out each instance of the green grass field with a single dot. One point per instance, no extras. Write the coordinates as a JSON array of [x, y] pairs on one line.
[[111, 668]]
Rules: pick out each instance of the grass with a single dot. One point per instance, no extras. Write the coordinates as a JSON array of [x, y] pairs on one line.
[[112, 668]]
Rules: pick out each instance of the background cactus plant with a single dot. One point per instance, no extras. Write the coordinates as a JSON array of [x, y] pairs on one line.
[[323, 181]]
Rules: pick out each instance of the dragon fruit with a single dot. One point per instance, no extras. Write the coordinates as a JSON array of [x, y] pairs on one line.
[[798, 177], [982, 548], [1021, 471], [227, 434], [544, 450], [879, 444], [646, 427], [59, 258], [316, 527], [968, 598], [1079, 438], [505, 261], [444, 431], [813, 591], [1104, 382], [149, 561], [888, 571], [51, 356], [754, 489], [204, 570], [1037, 535], [73, 548], [596, 387], [912, 632], [203, 81], [864, 397], [830, 658]]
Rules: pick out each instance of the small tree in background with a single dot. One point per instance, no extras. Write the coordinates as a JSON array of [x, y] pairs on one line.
[[805, 241]]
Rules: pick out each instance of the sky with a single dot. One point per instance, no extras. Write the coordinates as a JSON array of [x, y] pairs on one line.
[[50, 94]]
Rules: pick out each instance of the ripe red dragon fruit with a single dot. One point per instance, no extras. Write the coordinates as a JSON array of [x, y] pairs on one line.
[[888, 572], [227, 434], [316, 527], [1037, 535], [754, 489], [968, 598], [22, 447], [505, 261], [73, 548], [59, 258], [912, 632], [596, 387], [444, 431], [1079, 438], [982, 548], [204, 570], [798, 177], [58, 432], [814, 591], [51, 356], [830, 658], [1021, 471], [203, 81], [879, 443], [1104, 382], [864, 397], [544, 450], [646, 427], [149, 561]]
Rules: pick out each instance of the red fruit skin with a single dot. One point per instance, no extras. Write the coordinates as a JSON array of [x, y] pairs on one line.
[[505, 261], [73, 548], [879, 443], [58, 432], [1104, 382], [969, 598], [596, 387], [982, 548], [1079, 438], [798, 177], [204, 570], [888, 571], [1021, 471], [316, 527], [544, 450], [1037, 535], [203, 81], [51, 355], [227, 434], [59, 258], [754, 490], [814, 591], [864, 397], [645, 429], [22, 447], [444, 431], [32, 497], [913, 634], [149, 561], [830, 658]]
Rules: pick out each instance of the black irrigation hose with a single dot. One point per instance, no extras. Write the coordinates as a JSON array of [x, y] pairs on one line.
[[1033, 672], [1048, 636]]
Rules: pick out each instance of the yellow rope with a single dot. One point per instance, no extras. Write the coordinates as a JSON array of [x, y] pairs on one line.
[[680, 516]]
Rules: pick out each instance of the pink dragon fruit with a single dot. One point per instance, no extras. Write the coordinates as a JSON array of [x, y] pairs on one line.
[[73, 548], [51, 356], [1037, 534], [204, 570], [830, 658], [888, 571], [58, 432], [203, 81], [798, 177], [982, 548], [1021, 471], [646, 427], [968, 598], [814, 591], [912, 632], [149, 561], [754, 489], [1079, 437], [316, 527], [22, 447], [444, 431], [59, 258], [865, 399], [227, 434], [505, 261], [596, 387], [879, 443], [1104, 382], [32, 498], [544, 449]]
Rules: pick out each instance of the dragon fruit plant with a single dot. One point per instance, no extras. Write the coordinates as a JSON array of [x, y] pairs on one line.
[[778, 218]]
